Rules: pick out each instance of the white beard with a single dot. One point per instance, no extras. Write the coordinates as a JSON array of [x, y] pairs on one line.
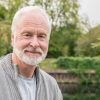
[[34, 61]]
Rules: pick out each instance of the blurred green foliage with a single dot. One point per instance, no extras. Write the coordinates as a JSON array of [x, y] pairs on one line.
[[5, 41], [84, 44], [67, 38], [80, 63], [66, 24]]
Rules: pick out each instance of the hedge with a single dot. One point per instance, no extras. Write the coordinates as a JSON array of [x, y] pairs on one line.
[[79, 62]]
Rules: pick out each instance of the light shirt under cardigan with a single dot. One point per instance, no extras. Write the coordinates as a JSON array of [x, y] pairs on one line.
[[46, 86], [27, 87]]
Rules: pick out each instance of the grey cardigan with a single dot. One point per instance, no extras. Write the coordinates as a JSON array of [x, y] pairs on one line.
[[47, 88]]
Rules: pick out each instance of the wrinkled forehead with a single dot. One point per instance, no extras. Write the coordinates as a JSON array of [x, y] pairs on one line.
[[36, 20]]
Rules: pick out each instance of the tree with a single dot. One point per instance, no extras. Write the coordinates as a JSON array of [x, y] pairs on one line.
[[84, 43], [2, 13], [66, 26], [7, 10]]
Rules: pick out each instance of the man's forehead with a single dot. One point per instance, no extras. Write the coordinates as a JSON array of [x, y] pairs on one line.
[[36, 19]]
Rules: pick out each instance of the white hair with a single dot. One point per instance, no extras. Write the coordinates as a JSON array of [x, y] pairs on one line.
[[24, 10]]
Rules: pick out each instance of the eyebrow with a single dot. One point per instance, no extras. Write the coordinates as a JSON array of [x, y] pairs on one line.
[[26, 32]]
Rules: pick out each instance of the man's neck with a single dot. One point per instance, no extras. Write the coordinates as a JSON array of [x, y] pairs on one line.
[[23, 69]]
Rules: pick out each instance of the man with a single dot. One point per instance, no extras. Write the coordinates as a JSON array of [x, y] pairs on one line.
[[20, 76]]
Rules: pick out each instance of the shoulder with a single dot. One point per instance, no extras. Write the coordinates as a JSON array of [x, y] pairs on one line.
[[2, 63], [5, 58], [52, 85], [1, 58], [5, 61], [46, 76], [49, 80]]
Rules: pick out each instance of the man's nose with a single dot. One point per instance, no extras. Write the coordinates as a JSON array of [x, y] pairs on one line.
[[34, 41]]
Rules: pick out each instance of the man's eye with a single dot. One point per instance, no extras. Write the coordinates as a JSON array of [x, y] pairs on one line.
[[42, 36], [27, 35]]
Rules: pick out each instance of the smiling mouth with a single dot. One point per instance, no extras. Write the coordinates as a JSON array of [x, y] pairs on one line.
[[32, 54]]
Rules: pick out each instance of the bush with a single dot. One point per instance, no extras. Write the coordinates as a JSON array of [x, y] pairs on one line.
[[78, 62]]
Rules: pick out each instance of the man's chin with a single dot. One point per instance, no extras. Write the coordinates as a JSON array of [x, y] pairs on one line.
[[34, 61], [30, 60]]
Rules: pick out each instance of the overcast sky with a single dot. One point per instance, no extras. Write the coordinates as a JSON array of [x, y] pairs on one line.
[[91, 9]]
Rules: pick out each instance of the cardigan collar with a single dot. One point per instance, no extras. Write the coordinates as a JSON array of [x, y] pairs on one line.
[[12, 69]]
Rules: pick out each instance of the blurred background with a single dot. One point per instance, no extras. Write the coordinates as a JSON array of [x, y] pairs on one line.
[[74, 49]]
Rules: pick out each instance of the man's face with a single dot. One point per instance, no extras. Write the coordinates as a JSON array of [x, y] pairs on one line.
[[30, 42]]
